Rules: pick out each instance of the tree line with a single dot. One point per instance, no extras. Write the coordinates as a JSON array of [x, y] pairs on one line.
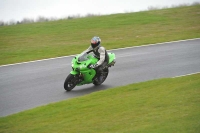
[[45, 19]]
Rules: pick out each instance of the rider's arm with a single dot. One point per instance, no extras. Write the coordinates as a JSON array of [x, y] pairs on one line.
[[102, 52], [89, 49]]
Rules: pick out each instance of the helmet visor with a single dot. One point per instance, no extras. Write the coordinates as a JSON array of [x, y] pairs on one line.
[[94, 43]]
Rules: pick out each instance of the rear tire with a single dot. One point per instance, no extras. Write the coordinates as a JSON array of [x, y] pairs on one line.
[[70, 82], [101, 78]]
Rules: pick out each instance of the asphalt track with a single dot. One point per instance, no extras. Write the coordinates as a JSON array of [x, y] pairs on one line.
[[28, 85]]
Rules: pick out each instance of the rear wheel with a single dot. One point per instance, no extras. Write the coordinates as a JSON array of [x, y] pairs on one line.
[[101, 78], [70, 82]]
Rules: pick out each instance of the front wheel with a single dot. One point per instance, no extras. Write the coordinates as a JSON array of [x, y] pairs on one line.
[[70, 82]]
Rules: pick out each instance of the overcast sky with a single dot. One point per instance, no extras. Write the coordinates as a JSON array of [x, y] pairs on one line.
[[18, 9]]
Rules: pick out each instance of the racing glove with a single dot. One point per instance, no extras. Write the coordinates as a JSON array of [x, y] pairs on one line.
[[94, 66]]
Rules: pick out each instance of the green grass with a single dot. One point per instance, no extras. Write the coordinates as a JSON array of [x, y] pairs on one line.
[[160, 106], [34, 41]]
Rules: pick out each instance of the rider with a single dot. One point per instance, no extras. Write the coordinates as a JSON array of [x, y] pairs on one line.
[[100, 53]]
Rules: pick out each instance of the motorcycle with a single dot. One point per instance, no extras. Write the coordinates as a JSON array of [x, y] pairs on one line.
[[83, 73]]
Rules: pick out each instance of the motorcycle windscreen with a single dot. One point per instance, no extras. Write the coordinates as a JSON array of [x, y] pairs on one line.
[[83, 57]]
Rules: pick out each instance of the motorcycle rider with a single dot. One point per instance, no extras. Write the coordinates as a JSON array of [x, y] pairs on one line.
[[100, 53]]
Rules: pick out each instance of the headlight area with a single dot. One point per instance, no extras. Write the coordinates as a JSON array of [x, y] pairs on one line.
[[78, 67]]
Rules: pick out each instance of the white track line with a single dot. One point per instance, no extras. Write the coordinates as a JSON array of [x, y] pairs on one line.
[[156, 44], [185, 75], [35, 61], [107, 50]]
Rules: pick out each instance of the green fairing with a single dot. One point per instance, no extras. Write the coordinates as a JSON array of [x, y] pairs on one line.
[[111, 57]]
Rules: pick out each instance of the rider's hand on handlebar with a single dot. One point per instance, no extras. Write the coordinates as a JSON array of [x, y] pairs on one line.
[[94, 66]]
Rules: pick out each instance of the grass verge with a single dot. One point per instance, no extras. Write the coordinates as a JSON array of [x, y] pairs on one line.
[[34, 41], [160, 106]]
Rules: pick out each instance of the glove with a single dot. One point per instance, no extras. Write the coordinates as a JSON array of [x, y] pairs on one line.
[[94, 66]]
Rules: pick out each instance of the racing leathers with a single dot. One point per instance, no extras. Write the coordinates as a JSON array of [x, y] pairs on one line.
[[102, 55]]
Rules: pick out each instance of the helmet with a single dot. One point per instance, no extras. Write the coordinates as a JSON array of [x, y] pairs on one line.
[[95, 41]]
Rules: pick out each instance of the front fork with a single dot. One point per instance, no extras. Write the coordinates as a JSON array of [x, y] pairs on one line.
[[77, 76]]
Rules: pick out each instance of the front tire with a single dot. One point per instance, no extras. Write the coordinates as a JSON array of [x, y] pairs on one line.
[[70, 82]]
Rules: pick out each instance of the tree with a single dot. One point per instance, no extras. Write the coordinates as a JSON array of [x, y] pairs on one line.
[[2, 23]]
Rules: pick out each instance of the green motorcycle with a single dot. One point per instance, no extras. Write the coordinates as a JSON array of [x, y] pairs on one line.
[[82, 72]]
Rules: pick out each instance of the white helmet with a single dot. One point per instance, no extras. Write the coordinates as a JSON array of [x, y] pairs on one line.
[[95, 41]]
